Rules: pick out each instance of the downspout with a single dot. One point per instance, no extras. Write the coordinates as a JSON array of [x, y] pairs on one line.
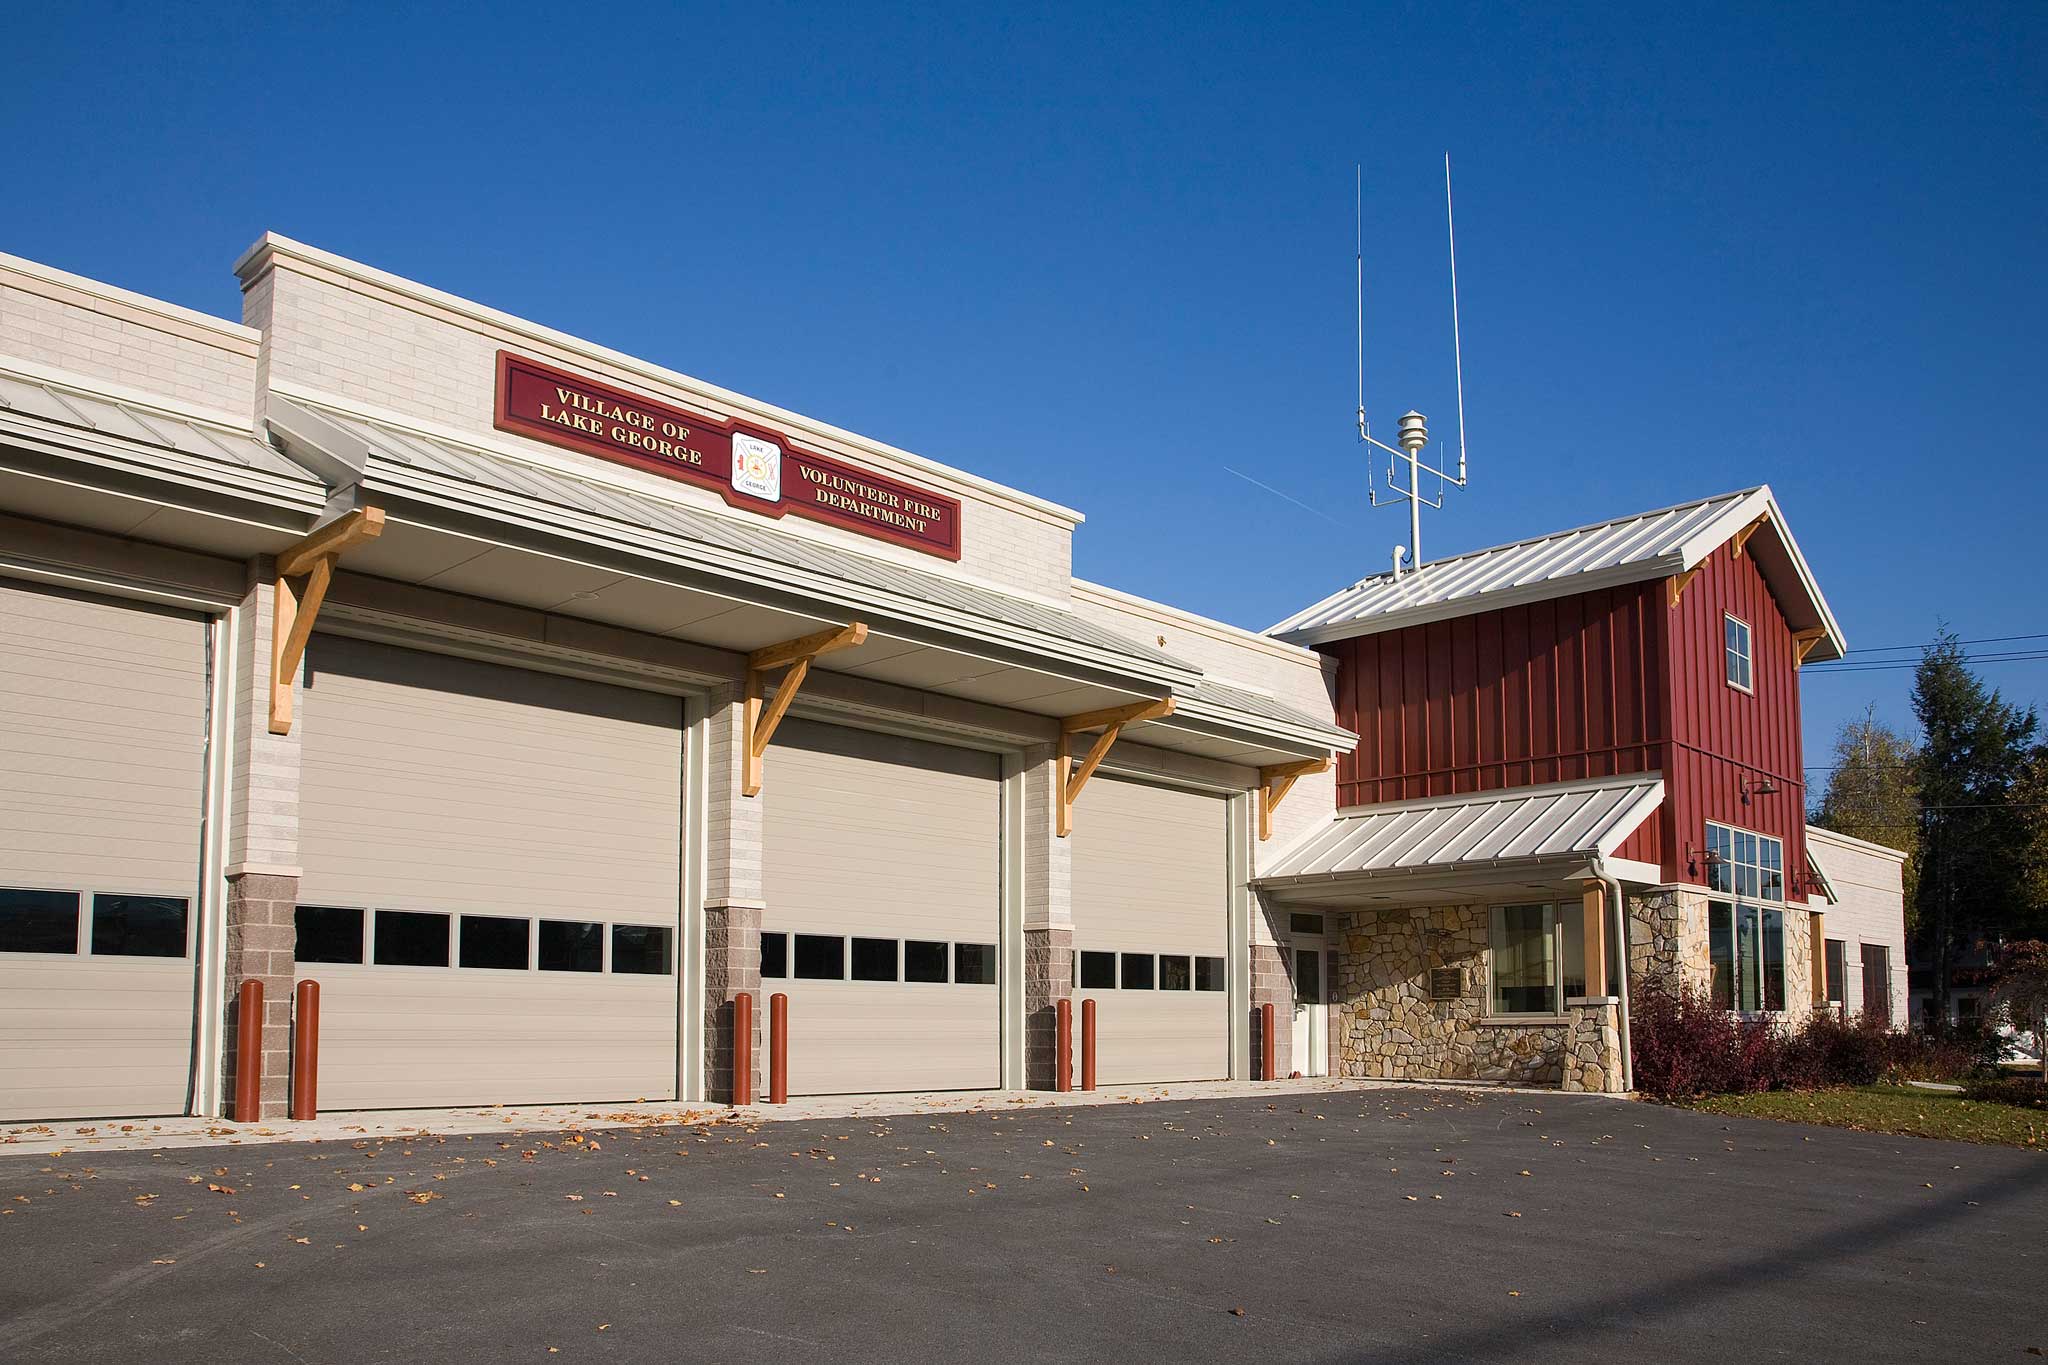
[[1613, 897]]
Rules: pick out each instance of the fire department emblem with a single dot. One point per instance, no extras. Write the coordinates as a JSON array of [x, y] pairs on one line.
[[756, 467]]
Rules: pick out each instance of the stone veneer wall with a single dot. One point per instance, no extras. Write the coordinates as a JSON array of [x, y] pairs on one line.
[[1385, 1026], [1669, 946]]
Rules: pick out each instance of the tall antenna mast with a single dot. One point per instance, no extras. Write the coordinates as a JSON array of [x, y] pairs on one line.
[[1414, 428]]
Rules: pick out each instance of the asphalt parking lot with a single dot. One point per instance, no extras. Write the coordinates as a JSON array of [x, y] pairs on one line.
[[1380, 1225]]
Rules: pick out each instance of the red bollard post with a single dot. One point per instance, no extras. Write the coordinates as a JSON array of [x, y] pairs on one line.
[[306, 1052], [778, 1048], [1088, 1044], [249, 1053], [1063, 1049], [1266, 1041], [743, 1049]]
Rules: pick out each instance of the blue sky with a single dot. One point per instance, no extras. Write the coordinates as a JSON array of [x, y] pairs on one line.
[[1105, 253]]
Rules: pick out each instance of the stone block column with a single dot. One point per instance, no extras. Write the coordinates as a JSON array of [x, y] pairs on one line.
[[262, 861], [1048, 922], [733, 892], [1592, 1054]]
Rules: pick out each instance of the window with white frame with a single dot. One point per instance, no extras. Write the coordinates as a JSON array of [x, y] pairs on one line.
[[1746, 865], [1535, 956], [1736, 644], [1746, 934]]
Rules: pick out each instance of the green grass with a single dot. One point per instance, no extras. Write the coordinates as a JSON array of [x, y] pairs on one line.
[[1892, 1109]]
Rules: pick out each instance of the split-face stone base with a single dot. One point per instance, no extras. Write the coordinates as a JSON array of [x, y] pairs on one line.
[[1048, 979], [1272, 985], [262, 943], [732, 968]]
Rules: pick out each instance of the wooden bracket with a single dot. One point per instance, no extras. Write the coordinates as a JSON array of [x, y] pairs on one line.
[[794, 655], [1274, 784], [1680, 583], [1111, 721], [1742, 536], [1803, 642], [304, 573]]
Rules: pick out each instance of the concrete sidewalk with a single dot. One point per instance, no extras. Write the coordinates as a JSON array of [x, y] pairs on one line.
[[122, 1135]]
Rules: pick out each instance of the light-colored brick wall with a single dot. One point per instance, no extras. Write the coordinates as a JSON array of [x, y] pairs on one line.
[[99, 332], [1300, 678], [1870, 881], [346, 335], [263, 824]]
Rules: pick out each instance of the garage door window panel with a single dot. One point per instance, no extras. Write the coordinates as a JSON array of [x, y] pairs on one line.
[[974, 964], [874, 959], [409, 938], [328, 933], [495, 941], [641, 950], [1208, 973], [1098, 971], [820, 957], [924, 961], [775, 956], [1137, 971], [33, 921], [139, 926], [1176, 972], [571, 946]]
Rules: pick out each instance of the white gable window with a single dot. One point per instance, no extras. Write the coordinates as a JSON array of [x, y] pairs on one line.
[[1735, 636]]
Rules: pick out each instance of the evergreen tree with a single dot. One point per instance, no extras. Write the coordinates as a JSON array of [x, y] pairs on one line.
[[1975, 749], [1873, 793]]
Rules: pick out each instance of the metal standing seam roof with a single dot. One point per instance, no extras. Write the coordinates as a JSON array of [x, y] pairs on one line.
[[1477, 829], [450, 459], [80, 409], [1646, 541]]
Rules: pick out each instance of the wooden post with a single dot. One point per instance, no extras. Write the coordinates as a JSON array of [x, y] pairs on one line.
[[306, 1053], [1593, 903], [1063, 1048], [1088, 1044], [249, 1053], [1266, 1052], [743, 1049], [778, 1048]]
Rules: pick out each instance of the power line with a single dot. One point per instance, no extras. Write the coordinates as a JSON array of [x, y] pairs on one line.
[[1890, 665], [1987, 640]]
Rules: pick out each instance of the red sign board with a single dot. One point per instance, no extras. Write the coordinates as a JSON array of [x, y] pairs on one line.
[[750, 466]]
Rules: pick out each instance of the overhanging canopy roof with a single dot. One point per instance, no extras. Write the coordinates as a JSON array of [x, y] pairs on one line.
[[1648, 545], [632, 558], [1405, 848]]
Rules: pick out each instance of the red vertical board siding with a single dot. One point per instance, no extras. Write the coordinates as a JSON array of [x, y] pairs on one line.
[[1723, 737], [1545, 692], [1598, 684]]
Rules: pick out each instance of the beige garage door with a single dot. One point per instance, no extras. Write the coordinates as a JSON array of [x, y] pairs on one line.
[[102, 757], [1151, 928], [883, 870], [492, 881]]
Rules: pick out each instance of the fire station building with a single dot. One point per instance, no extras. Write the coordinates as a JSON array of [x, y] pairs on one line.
[[540, 703]]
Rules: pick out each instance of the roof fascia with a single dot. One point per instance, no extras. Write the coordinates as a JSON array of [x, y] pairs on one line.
[[487, 515], [1663, 566]]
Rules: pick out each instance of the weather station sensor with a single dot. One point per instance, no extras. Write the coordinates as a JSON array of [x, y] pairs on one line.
[[1406, 471]]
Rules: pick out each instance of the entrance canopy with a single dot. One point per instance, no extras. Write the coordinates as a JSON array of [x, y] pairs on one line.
[[1474, 845]]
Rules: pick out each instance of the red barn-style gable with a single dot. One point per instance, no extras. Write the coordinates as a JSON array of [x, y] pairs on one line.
[[1594, 653]]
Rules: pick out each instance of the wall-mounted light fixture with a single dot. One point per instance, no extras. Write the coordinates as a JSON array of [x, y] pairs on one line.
[[1763, 786]]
